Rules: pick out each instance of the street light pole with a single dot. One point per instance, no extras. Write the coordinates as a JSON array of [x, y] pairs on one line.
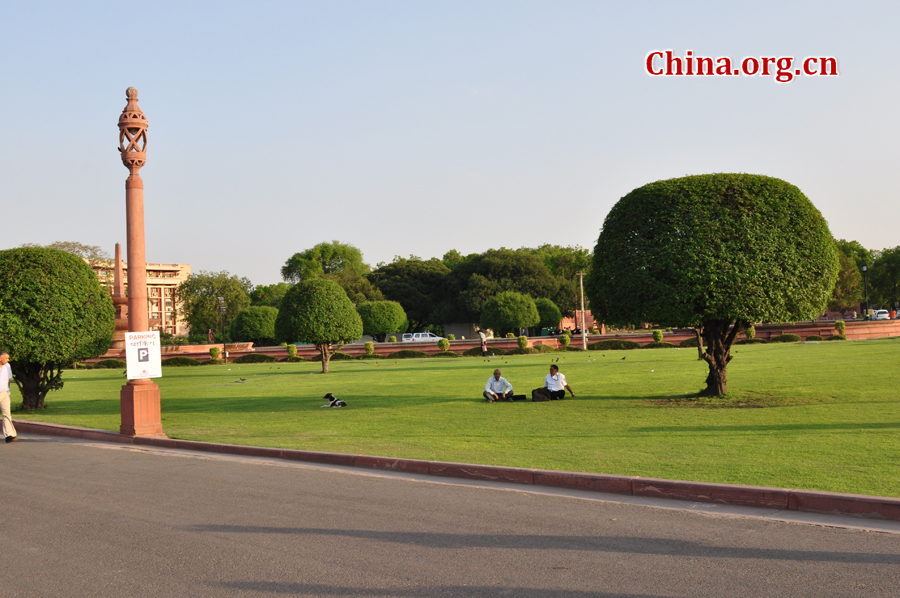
[[222, 310], [865, 268], [583, 332]]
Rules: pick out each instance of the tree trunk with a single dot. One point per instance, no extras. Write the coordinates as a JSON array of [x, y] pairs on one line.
[[719, 336], [325, 352], [35, 380]]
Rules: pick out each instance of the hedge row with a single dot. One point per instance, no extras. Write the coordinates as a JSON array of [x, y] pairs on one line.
[[614, 344], [255, 358]]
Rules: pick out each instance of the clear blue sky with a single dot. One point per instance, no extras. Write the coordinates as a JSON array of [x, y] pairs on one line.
[[418, 127]]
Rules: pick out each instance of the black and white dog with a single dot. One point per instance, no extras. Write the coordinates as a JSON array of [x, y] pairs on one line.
[[333, 401]]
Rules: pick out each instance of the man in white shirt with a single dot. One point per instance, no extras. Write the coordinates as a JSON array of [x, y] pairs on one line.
[[9, 431], [556, 384], [497, 388]]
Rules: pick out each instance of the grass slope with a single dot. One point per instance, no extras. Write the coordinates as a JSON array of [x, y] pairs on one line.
[[830, 419]]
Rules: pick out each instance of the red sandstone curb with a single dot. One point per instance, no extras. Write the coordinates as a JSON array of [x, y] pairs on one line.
[[831, 503]]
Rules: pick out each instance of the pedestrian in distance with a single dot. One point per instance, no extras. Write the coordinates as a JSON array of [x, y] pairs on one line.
[[6, 425], [483, 343], [556, 383], [498, 388]]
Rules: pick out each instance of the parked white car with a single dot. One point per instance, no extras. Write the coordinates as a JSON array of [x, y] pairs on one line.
[[881, 314], [417, 337]]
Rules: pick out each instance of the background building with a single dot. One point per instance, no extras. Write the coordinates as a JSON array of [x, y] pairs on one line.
[[162, 280]]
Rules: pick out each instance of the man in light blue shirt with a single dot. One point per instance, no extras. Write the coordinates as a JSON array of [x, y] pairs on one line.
[[497, 388]]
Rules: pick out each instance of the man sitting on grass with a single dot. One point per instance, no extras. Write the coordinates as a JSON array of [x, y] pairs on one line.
[[497, 388], [556, 384]]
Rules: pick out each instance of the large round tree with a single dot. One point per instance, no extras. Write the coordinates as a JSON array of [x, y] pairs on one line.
[[318, 311], [53, 312], [255, 324], [714, 252]]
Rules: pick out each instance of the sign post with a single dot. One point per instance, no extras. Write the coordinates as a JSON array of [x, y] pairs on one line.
[[142, 355]]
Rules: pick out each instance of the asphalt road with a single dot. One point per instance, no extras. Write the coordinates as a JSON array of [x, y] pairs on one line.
[[94, 519]]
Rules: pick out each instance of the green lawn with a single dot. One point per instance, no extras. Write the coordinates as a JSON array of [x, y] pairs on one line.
[[819, 416]]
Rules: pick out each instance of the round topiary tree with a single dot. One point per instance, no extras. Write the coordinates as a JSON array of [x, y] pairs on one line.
[[714, 252], [522, 342], [53, 312], [318, 311], [214, 353], [548, 312], [380, 318], [507, 311], [255, 324], [657, 336]]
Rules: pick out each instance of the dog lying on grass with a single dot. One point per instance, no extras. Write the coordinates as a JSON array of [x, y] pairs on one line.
[[333, 401]]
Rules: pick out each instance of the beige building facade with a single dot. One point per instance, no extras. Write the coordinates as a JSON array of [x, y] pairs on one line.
[[162, 280]]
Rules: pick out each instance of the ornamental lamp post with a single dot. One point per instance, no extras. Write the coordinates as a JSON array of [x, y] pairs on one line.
[[139, 399]]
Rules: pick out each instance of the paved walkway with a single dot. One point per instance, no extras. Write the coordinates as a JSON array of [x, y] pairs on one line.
[[85, 518]]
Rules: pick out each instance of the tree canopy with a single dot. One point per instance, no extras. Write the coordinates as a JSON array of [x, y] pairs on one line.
[[53, 311], [324, 258], [255, 324], [715, 252], [197, 299], [318, 311], [508, 311], [884, 279], [478, 278], [380, 318], [416, 284], [269, 295]]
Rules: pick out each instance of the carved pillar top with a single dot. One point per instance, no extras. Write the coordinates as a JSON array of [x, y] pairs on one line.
[[133, 133]]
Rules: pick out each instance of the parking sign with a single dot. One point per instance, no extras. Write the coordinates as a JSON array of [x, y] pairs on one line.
[[142, 355]]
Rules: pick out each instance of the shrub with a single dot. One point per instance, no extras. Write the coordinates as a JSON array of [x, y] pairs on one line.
[[180, 361], [750, 341], [255, 324], [451, 337], [444, 344], [573, 348], [392, 339], [785, 338], [446, 354], [293, 359], [292, 350], [614, 344], [337, 355], [372, 356], [836, 337], [255, 358], [214, 353], [509, 310], [476, 351], [688, 342], [110, 364], [840, 326], [370, 347], [657, 336], [380, 318], [813, 337], [544, 349], [407, 354], [212, 362], [522, 341], [564, 340], [659, 345], [522, 351], [750, 332], [548, 312]]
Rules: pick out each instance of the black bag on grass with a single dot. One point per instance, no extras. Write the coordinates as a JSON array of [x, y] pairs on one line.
[[540, 394]]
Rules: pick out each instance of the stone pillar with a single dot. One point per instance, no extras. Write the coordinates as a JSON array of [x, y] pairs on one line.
[[139, 399], [121, 304]]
